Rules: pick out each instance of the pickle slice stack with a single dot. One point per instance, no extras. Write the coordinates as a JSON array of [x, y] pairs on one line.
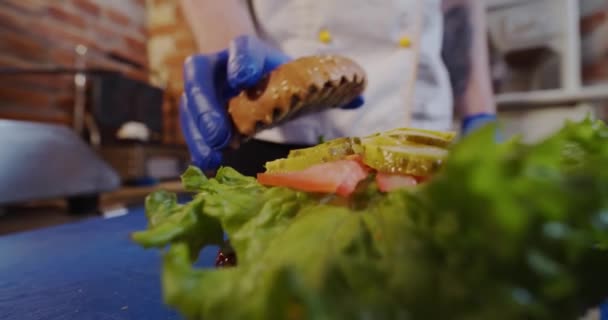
[[402, 151], [407, 151]]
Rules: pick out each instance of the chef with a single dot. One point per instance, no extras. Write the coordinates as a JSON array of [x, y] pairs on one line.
[[425, 60]]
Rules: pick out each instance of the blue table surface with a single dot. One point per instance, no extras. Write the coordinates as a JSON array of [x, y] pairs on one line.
[[85, 270]]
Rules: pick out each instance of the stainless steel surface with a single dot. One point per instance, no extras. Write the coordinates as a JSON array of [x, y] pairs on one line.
[[41, 161]]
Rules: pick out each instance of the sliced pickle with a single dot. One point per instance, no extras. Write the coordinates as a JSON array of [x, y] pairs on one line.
[[381, 140], [410, 159], [340, 146], [421, 136], [300, 159], [289, 164]]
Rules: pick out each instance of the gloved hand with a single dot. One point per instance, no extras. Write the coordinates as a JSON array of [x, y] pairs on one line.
[[209, 82], [474, 122]]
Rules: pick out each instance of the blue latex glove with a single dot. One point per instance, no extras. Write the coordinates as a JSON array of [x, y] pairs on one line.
[[209, 82], [474, 122]]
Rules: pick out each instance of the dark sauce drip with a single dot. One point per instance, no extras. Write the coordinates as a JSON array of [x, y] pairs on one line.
[[226, 257], [225, 260]]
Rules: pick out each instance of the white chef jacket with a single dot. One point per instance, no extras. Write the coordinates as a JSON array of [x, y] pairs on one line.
[[397, 42]]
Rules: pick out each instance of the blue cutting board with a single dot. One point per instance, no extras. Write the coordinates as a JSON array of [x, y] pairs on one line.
[[85, 270]]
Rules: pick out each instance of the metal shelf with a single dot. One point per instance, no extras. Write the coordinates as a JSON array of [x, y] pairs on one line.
[[573, 91], [553, 97]]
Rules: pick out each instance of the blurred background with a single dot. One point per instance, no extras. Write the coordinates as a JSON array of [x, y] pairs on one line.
[[549, 62], [89, 92], [93, 87]]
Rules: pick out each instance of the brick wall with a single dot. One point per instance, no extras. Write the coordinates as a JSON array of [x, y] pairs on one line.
[[43, 33], [170, 42]]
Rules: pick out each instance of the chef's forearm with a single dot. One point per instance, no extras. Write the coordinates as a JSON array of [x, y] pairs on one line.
[[215, 22], [465, 53]]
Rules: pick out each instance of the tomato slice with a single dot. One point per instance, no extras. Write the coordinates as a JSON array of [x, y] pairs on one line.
[[388, 182], [340, 177]]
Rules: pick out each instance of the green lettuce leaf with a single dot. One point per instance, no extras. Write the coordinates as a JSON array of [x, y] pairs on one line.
[[503, 231], [193, 179]]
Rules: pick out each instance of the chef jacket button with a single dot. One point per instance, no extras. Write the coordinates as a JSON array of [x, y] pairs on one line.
[[405, 42], [325, 36]]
